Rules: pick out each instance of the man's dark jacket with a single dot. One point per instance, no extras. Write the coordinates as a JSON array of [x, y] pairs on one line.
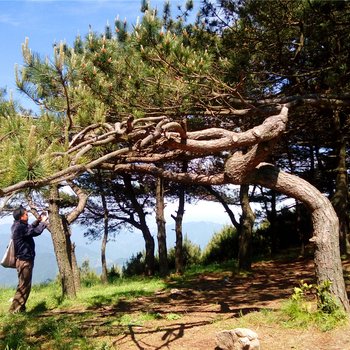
[[22, 235]]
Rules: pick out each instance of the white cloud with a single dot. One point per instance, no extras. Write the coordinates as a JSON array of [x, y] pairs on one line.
[[201, 211], [7, 19]]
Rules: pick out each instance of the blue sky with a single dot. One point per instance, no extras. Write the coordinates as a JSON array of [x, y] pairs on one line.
[[46, 22]]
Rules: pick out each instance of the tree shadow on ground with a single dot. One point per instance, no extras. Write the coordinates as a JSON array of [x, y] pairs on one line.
[[198, 303]]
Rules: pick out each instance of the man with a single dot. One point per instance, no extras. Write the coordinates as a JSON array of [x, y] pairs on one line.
[[22, 235]]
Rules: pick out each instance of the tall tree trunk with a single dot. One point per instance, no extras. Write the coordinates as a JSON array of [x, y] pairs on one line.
[[245, 231], [325, 221], [272, 216], [149, 246], [340, 199], [62, 246], [179, 253], [74, 262], [149, 241], [161, 232], [298, 228], [104, 274], [76, 271]]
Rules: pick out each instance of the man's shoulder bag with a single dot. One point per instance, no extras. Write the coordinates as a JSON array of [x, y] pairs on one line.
[[9, 258]]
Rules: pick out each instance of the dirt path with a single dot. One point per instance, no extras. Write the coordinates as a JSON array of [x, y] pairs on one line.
[[189, 317]]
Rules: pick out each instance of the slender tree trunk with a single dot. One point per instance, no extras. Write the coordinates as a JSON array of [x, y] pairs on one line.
[[104, 275], [325, 221], [62, 246], [149, 246], [76, 271], [340, 199], [149, 241], [228, 210], [179, 253], [245, 231], [299, 230], [272, 218], [161, 232]]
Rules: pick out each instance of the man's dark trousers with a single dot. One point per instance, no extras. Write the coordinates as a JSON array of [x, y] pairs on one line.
[[24, 270]]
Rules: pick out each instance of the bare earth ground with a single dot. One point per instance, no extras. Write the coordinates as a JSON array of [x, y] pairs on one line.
[[192, 314]]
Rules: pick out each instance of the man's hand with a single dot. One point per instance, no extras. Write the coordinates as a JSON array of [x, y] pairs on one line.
[[43, 217]]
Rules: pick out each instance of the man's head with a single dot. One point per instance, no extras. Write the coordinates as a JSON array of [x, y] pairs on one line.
[[20, 214]]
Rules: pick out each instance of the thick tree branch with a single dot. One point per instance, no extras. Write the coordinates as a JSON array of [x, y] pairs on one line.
[[82, 199]]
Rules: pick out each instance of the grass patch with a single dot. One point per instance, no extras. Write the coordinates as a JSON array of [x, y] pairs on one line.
[[138, 319], [53, 323], [306, 315], [185, 280], [101, 313]]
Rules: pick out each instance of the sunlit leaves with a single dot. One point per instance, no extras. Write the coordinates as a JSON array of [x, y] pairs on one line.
[[152, 69]]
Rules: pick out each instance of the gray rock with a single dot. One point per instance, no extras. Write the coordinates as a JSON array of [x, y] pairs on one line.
[[237, 339]]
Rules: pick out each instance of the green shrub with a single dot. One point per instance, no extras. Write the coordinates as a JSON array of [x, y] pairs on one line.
[[191, 252], [222, 247], [135, 266], [113, 274], [87, 276]]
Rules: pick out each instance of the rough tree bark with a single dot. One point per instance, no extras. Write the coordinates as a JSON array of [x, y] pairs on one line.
[[324, 219], [62, 245], [161, 232], [75, 268], [245, 231], [178, 218]]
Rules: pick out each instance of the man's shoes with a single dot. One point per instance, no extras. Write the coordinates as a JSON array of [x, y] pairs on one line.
[[21, 309]]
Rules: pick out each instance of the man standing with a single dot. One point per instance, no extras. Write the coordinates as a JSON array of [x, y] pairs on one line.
[[22, 235]]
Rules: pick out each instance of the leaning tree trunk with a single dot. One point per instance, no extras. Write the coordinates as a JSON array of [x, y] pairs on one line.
[[161, 231], [62, 246], [224, 203], [245, 231], [325, 221]]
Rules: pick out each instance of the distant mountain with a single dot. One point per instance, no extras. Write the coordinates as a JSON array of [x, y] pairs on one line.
[[118, 250]]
